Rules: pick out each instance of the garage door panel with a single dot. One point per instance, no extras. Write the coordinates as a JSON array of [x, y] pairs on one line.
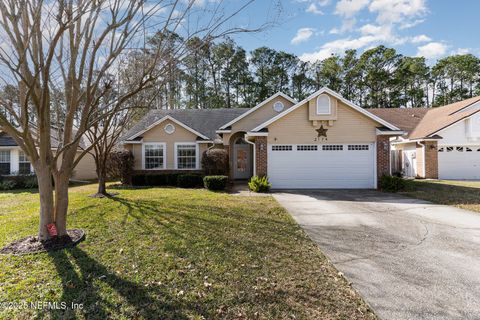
[[455, 162], [324, 177], [325, 184], [321, 168]]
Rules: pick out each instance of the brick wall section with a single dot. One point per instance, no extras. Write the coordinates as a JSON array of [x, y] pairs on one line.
[[230, 160], [261, 160], [383, 155], [431, 160]]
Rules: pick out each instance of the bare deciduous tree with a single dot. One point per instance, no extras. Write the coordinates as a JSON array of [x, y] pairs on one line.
[[71, 47]]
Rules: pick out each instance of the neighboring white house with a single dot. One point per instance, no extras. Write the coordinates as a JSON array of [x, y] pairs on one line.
[[12, 158], [441, 142], [13, 161]]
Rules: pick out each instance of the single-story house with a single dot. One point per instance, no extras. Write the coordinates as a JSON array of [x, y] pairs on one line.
[[438, 143], [14, 161], [323, 141]]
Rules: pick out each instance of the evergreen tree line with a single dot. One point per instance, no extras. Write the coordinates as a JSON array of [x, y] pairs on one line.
[[221, 74]]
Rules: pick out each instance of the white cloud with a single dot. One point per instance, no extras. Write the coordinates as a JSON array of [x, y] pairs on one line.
[[323, 3], [303, 34], [410, 24], [372, 29], [312, 8], [462, 51], [347, 26], [420, 38], [338, 47], [432, 50], [386, 18], [371, 36], [349, 8], [395, 11]]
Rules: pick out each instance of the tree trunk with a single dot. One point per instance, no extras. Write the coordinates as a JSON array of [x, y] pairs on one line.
[[102, 188], [45, 189], [61, 203]]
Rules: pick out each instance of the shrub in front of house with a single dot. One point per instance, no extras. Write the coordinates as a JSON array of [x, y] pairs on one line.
[[215, 162], [155, 179], [392, 183], [28, 181], [190, 181], [215, 183], [259, 184], [7, 185], [120, 166]]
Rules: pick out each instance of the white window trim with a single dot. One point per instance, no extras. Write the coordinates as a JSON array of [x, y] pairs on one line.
[[30, 162], [171, 126], [278, 103], [175, 156], [164, 146], [10, 151], [329, 104]]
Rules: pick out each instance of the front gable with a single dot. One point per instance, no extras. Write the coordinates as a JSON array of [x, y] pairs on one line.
[[297, 127], [166, 132], [159, 133], [167, 120], [316, 113], [262, 112], [464, 131], [325, 117]]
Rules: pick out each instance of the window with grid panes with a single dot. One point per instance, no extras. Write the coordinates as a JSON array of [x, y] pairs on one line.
[[4, 162], [186, 156], [154, 156], [23, 163]]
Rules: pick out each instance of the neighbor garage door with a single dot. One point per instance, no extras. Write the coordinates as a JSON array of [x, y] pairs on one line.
[[459, 162], [321, 166]]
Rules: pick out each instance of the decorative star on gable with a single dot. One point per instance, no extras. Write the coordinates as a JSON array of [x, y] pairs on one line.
[[322, 132]]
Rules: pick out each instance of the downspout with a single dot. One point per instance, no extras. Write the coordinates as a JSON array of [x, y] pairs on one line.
[[254, 155], [424, 159]]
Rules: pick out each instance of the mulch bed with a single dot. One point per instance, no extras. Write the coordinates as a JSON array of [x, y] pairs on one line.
[[31, 244]]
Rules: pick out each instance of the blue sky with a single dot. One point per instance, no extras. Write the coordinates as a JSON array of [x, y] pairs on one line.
[[315, 29]]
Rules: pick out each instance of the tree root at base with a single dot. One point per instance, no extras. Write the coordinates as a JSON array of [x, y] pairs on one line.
[[31, 244]]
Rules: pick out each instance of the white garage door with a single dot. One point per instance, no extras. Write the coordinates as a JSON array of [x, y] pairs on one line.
[[459, 162], [321, 166]]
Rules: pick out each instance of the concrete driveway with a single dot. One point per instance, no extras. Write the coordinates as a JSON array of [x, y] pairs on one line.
[[410, 259]]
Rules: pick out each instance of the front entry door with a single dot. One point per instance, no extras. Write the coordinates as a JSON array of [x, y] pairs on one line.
[[242, 160]]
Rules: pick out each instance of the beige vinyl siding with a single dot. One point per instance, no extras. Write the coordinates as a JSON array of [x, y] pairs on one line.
[[85, 169], [202, 147], [295, 128], [136, 150], [312, 107], [226, 138], [257, 117], [420, 161], [158, 135]]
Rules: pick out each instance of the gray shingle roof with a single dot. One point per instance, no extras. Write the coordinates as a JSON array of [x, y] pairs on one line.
[[205, 121], [6, 140]]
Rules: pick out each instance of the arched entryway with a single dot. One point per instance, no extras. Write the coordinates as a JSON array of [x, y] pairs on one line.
[[242, 158]]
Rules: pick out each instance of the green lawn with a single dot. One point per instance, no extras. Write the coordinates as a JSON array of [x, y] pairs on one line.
[[164, 253], [462, 194]]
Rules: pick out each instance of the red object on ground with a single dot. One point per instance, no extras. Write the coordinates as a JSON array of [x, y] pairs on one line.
[[52, 229]]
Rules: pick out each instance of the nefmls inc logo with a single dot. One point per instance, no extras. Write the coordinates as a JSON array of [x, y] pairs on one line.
[[59, 305]]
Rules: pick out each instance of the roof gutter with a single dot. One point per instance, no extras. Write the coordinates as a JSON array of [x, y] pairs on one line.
[[390, 133], [254, 153]]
